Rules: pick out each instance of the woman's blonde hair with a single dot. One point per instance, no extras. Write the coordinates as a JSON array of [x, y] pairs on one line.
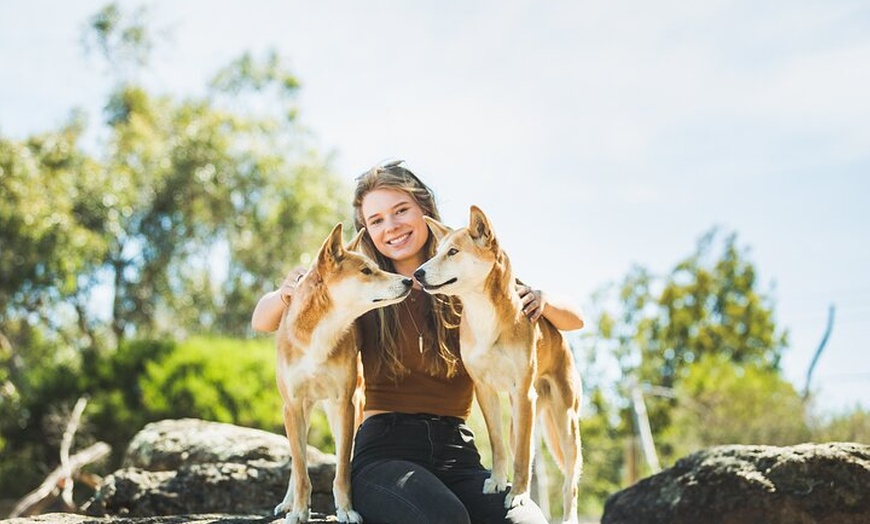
[[444, 321]]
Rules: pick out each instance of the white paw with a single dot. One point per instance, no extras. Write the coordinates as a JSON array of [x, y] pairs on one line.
[[494, 485], [283, 507], [512, 500], [348, 515], [572, 520], [296, 517]]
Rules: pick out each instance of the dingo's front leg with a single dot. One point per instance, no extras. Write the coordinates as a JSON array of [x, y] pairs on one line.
[[297, 501], [341, 421], [490, 406], [523, 429]]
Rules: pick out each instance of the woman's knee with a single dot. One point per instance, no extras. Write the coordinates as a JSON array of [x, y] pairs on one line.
[[397, 492]]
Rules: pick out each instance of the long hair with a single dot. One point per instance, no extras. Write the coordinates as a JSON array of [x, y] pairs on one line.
[[444, 360]]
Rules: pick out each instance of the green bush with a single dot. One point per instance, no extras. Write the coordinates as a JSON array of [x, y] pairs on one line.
[[224, 380], [215, 379], [210, 378]]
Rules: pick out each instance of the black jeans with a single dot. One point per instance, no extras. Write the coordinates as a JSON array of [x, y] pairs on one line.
[[425, 469]]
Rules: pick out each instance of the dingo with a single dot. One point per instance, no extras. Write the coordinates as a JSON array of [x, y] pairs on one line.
[[317, 360], [503, 351]]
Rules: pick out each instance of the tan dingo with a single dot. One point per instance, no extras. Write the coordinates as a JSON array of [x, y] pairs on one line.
[[317, 360], [503, 351]]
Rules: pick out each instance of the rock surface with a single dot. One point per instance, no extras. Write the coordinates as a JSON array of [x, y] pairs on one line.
[[188, 466], [804, 484], [72, 518], [196, 472]]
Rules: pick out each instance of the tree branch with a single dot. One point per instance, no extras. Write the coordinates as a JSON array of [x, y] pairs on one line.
[[65, 444], [86, 456]]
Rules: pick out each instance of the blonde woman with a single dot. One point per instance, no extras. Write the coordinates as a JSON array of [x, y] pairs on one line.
[[415, 460]]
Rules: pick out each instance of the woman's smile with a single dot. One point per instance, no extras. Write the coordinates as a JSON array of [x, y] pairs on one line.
[[394, 221]]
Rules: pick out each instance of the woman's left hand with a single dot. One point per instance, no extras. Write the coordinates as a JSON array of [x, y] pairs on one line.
[[533, 301]]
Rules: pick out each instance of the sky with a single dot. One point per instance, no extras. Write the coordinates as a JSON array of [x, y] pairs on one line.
[[596, 135]]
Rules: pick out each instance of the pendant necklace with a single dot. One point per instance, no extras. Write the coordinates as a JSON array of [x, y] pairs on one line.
[[416, 329]]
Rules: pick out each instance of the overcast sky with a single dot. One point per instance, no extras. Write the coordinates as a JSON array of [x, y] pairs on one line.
[[597, 135]]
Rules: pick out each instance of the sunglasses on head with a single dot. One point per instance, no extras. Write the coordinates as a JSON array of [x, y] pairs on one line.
[[387, 166]]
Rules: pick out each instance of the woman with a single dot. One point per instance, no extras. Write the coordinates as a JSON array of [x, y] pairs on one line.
[[414, 457]]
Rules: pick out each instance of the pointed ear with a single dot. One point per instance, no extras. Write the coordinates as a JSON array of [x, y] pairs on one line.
[[438, 229], [332, 250], [478, 226], [354, 244]]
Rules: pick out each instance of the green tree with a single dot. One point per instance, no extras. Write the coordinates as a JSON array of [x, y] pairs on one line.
[[189, 212], [849, 426], [667, 333], [185, 211], [719, 402]]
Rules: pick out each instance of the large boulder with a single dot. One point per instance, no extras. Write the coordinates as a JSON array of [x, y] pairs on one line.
[[804, 484], [207, 518], [188, 466]]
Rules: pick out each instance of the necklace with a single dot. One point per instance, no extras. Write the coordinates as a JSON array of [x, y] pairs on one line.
[[416, 329]]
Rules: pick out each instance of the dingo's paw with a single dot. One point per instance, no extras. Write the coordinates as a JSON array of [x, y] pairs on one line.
[[349, 516], [572, 520], [494, 485], [296, 517], [283, 507], [513, 500]]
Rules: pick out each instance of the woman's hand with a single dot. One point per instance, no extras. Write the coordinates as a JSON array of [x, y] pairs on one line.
[[563, 314], [271, 306], [533, 301], [289, 285]]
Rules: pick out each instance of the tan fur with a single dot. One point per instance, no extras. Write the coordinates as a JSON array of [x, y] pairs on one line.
[[503, 351], [318, 360]]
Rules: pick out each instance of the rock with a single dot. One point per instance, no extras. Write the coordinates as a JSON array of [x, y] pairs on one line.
[[168, 444], [178, 467], [804, 484], [210, 518]]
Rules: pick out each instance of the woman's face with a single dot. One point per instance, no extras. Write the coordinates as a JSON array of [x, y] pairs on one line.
[[395, 223]]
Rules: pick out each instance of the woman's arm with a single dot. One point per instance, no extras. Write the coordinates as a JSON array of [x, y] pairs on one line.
[[563, 314], [267, 314]]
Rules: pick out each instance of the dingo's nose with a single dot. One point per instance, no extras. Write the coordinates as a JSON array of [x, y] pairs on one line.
[[408, 282], [420, 274]]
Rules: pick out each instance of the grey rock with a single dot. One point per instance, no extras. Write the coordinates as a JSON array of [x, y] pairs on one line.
[[179, 467], [211, 518], [168, 444], [805, 484]]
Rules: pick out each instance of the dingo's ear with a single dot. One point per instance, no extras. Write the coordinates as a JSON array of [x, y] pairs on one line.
[[478, 226], [438, 229], [354, 244], [332, 250]]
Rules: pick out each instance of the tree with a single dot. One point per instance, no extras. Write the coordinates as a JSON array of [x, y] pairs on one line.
[[190, 211], [720, 402], [180, 217], [666, 333]]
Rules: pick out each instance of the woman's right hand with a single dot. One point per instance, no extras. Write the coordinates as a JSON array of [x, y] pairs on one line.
[[289, 285], [270, 308]]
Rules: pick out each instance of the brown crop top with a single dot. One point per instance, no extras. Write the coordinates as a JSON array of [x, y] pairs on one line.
[[416, 391]]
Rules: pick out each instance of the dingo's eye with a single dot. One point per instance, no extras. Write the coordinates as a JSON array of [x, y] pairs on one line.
[[366, 271], [452, 251]]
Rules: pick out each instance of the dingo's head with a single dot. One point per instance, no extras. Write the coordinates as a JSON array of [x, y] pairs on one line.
[[352, 281], [464, 259]]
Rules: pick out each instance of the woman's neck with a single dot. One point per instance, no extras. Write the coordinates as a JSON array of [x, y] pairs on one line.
[[407, 267]]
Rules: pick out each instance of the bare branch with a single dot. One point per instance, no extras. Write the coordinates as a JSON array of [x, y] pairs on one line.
[[50, 484], [65, 444]]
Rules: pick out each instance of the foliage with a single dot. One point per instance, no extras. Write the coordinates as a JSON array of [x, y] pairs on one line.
[[210, 378], [850, 426], [699, 335], [602, 455], [174, 222], [223, 380], [719, 402], [192, 209]]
